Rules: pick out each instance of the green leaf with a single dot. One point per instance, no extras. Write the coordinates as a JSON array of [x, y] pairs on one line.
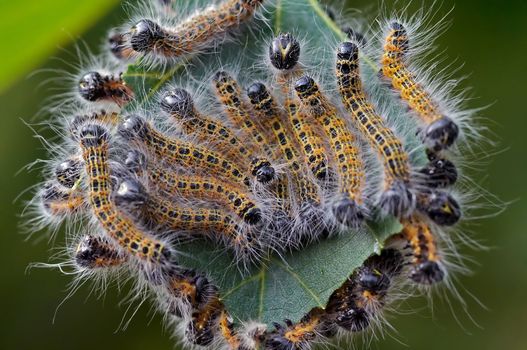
[[288, 286], [30, 30]]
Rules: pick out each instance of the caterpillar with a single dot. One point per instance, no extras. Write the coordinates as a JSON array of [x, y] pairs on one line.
[[441, 131], [264, 103], [346, 160], [180, 152], [94, 146], [166, 215], [59, 202], [396, 199], [284, 54], [200, 187], [149, 39]]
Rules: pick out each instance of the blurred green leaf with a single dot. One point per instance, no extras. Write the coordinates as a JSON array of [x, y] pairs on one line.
[[31, 30]]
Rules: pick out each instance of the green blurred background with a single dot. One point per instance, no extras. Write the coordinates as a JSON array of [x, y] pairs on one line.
[[490, 36]]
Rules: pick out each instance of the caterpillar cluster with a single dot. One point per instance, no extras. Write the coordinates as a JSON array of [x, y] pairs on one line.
[[278, 164]]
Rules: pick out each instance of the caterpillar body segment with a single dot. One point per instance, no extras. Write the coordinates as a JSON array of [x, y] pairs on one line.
[[187, 291], [94, 144], [345, 310], [180, 152], [441, 131], [347, 162], [93, 253], [427, 267], [396, 199], [96, 87], [202, 328], [183, 220], [179, 104], [198, 32], [360, 300]]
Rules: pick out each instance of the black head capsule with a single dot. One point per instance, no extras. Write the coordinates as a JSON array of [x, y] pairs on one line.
[[441, 208], [257, 93], [92, 252], [354, 319], [397, 200], [439, 173], [221, 77], [133, 127], [263, 170], [92, 87], [305, 85], [373, 280], [131, 192], [68, 172], [144, 35], [253, 216], [92, 135], [348, 51], [428, 273], [284, 52], [441, 134], [177, 101]]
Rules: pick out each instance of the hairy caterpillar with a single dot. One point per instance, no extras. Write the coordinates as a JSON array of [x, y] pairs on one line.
[[346, 160], [441, 131], [185, 174], [171, 217], [196, 187], [396, 198], [150, 39], [94, 145], [96, 87]]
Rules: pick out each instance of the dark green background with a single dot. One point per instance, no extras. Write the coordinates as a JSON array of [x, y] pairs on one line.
[[490, 36]]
